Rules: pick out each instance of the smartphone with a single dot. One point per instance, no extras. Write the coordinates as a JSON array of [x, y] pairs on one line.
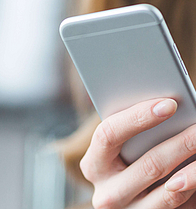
[[125, 56]]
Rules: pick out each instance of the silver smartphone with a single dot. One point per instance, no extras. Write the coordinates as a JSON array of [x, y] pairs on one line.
[[125, 56]]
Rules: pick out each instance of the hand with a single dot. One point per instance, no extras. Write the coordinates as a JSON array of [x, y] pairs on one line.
[[119, 186]]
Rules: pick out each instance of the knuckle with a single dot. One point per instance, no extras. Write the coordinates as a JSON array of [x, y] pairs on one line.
[[102, 201], [86, 169], [189, 142], [152, 166], [138, 118], [83, 166], [105, 134], [173, 199]]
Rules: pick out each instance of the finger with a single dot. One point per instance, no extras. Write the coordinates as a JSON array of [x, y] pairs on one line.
[[162, 199], [183, 180], [154, 165], [190, 204], [115, 130]]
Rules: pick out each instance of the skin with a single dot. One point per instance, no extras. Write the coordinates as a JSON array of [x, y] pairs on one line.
[[119, 186]]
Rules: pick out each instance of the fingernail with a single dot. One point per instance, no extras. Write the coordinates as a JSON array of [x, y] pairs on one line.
[[175, 183], [165, 108]]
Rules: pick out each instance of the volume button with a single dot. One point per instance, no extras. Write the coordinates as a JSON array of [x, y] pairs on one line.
[[184, 68], [180, 59], [177, 52]]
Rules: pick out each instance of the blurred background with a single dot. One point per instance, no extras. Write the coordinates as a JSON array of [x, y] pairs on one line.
[[37, 89], [35, 107]]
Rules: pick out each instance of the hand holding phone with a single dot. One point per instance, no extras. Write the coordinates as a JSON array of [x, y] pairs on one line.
[[120, 186]]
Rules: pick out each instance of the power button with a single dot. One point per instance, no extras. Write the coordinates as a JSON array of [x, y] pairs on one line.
[[180, 59], [184, 68]]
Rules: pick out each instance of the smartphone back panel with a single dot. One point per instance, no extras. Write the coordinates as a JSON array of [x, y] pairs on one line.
[[125, 56]]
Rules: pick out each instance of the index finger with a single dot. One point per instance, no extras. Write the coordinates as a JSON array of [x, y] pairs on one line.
[[116, 129]]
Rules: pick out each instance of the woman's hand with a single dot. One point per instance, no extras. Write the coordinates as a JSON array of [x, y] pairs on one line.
[[119, 186]]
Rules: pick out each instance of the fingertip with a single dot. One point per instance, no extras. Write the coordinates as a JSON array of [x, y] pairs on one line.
[[165, 108], [175, 183]]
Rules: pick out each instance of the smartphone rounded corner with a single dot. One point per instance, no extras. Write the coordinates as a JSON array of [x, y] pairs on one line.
[[154, 12], [64, 28], [60, 30]]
